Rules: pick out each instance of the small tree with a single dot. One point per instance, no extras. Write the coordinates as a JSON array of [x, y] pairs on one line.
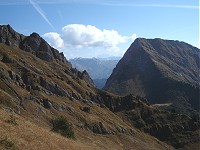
[[62, 126]]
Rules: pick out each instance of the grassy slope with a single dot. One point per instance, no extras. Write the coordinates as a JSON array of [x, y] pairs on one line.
[[33, 134], [33, 130]]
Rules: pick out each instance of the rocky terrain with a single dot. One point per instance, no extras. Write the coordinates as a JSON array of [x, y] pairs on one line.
[[98, 69], [38, 84], [163, 71]]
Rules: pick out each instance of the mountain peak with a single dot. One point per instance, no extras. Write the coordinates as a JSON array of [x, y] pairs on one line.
[[7, 27], [35, 35], [154, 66], [139, 41], [33, 43], [9, 36]]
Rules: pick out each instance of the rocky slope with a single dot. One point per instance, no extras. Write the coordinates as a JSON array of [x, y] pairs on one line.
[[163, 71], [177, 129], [34, 89]]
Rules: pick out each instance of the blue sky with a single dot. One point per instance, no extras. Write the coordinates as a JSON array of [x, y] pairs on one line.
[[102, 28]]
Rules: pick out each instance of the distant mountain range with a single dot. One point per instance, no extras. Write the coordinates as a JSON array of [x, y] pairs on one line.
[[99, 69], [163, 71]]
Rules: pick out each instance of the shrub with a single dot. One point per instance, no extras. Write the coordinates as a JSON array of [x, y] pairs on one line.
[[173, 110], [62, 126], [12, 120], [8, 144]]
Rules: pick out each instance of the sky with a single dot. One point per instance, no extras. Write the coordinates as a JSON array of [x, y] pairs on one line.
[[102, 28]]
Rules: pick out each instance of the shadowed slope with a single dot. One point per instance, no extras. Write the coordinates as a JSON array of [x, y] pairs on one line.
[[160, 70]]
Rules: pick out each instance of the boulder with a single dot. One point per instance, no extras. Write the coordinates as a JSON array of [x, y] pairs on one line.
[[46, 103], [97, 127], [86, 109], [52, 87]]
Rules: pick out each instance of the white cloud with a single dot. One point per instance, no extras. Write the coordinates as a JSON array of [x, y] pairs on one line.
[[81, 36], [54, 39], [76, 37]]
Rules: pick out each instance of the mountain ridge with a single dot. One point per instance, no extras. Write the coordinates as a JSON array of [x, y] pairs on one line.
[[33, 43], [154, 66]]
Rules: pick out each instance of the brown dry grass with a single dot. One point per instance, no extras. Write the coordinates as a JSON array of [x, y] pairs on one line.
[[27, 135], [33, 130]]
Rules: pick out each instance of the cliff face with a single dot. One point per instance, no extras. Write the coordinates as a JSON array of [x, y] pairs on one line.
[[160, 70]]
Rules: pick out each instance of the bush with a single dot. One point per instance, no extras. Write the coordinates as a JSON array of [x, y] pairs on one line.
[[173, 110], [12, 120], [62, 126], [8, 144]]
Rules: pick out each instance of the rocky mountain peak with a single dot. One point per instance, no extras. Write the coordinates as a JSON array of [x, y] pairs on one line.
[[9, 36], [37, 46], [141, 42], [33, 43], [160, 70], [35, 35]]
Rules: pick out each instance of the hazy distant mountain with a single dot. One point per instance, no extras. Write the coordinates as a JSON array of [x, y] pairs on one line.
[[99, 69], [160, 70]]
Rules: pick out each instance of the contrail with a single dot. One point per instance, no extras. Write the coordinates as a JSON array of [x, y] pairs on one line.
[[95, 2], [148, 5], [177, 6], [41, 12]]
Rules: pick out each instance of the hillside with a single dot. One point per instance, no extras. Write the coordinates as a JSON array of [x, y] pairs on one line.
[[98, 69], [38, 84], [163, 71]]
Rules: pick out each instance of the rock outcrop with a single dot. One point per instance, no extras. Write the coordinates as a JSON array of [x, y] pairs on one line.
[[9, 36], [33, 43], [29, 75], [176, 129], [86, 77]]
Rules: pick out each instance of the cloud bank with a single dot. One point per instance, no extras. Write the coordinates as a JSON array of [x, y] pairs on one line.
[[79, 36]]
